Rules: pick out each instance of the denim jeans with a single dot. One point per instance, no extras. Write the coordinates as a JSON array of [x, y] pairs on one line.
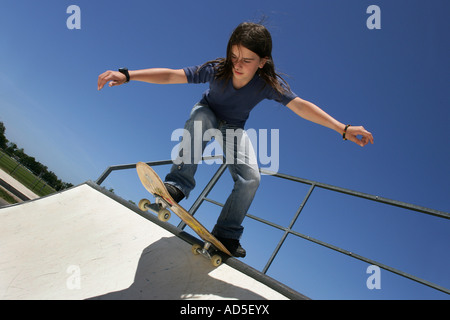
[[240, 158]]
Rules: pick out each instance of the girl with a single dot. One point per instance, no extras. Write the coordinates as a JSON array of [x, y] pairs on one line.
[[237, 84]]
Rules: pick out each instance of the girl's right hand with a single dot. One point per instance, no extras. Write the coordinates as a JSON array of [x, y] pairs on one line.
[[115, 78]]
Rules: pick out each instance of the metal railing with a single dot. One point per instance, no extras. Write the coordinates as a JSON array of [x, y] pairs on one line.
[[288, 230]]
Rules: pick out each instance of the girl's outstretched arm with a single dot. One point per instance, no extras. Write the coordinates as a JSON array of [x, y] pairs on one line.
[[154, 75], [311, 112]]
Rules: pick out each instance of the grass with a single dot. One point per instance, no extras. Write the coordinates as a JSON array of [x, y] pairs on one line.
[[24, 176], [6, 196]]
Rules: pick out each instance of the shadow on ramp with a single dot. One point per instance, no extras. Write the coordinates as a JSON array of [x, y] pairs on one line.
[[168, 271]]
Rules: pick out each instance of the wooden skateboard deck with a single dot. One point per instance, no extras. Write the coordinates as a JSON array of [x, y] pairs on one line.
[[153, 183]]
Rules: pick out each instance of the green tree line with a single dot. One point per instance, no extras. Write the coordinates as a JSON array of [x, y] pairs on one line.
[[31, 163]]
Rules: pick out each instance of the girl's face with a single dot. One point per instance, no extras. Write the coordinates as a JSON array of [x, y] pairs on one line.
[[245, 64]]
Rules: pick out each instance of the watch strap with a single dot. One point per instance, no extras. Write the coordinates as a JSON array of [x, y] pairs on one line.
[[126, 73]]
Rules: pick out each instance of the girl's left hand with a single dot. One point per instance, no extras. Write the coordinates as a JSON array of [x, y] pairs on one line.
[[354, 131]]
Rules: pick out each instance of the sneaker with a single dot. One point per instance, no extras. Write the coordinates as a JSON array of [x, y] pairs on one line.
[[174, 192], [233, 246]]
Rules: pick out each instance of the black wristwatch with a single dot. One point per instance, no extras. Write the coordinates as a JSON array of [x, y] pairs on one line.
[[125, 72]]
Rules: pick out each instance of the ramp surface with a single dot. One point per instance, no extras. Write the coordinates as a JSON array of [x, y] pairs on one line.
[[84, 244]]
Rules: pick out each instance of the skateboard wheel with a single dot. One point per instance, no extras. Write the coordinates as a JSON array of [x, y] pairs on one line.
[[195, 249], [216, 260], [143, 204], [164, 215]]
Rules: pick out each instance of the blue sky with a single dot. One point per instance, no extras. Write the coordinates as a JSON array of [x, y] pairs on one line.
[[394, 81]]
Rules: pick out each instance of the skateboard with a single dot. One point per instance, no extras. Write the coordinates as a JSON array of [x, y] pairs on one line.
[[163, 202]]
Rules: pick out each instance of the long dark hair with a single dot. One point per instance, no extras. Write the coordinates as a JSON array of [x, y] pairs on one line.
[[256, 38]]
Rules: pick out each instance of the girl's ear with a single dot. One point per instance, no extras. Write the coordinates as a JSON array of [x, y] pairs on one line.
[[263, 61]]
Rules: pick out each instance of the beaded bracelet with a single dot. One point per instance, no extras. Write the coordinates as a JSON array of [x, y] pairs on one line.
[[345, 132]]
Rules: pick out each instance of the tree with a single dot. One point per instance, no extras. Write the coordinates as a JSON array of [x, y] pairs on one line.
[[3, 140], [11, 148], [30, 162]]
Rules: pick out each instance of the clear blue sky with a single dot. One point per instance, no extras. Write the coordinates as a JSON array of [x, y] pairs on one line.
[[394, 81]]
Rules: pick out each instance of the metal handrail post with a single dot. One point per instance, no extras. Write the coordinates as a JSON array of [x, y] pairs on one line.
[[205, 193], [288, 230]]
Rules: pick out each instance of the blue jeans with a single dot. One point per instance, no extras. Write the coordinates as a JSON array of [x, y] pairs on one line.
[[240, 158]]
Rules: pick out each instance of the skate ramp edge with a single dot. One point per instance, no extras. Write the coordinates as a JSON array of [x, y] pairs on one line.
[[88, 243]]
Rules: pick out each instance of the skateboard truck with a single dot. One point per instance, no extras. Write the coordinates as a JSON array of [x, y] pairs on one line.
[[159, 207], [215, 259]]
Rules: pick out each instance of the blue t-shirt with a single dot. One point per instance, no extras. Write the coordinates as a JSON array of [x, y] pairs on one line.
[[230, 104]]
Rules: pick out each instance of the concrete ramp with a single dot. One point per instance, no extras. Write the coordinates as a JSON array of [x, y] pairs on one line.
[[86, 243]]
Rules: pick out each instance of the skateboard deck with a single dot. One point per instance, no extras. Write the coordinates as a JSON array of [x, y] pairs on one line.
[[153, 183]]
